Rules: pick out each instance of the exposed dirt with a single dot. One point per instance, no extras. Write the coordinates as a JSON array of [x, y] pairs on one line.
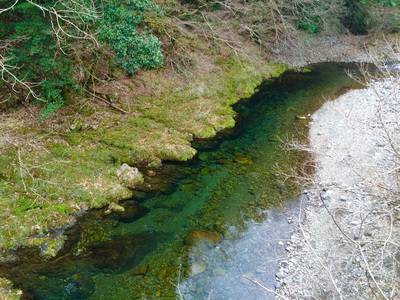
[[346, 244]]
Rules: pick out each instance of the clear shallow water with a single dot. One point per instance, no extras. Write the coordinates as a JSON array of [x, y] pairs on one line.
[[232, 191]]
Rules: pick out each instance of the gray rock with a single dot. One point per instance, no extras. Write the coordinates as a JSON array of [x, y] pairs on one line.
[[129, 176], [325, 195], [284, 263]]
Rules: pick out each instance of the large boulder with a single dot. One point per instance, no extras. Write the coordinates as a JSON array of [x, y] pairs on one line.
[[129, 176]]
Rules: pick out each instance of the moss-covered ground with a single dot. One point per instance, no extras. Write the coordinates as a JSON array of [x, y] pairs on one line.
[[65, 164]]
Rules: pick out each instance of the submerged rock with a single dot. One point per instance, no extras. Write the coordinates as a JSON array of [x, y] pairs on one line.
[[119, 254], [79, 288], [130, 213], [151, 173], [70, 276], [244, 160], [141, 270], [196, 236], [197, 267], [188, 187], [165, 272], [203, 156]]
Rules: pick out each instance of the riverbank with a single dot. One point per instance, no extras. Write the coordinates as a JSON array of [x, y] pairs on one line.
[[346, 244], [62, 166], [58, 168]]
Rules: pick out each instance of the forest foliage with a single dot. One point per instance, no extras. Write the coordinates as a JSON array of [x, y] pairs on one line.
[[45, 45], [210, 54], [43, 42]]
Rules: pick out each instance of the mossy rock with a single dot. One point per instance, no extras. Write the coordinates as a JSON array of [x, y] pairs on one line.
[[129, 176]]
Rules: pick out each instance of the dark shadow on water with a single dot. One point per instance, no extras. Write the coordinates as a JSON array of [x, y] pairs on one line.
[[69, 276]]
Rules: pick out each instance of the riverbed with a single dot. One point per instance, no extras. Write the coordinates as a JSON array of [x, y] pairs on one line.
[[235, 193]]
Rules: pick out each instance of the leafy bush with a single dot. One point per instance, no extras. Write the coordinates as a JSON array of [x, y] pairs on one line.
[[311, 25], [34, 53], [135, 48], [41, 42], [365, 15]]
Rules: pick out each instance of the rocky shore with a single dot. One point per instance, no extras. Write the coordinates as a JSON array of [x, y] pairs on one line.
[[346, 243]]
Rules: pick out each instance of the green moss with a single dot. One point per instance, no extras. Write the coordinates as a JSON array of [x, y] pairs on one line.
[[6, 290], [56, 172], [206, 132], [49, 246]]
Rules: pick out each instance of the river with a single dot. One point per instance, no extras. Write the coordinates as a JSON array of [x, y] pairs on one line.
[[218, 225]]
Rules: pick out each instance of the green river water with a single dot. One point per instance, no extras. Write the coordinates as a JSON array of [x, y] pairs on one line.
[[233, 194]]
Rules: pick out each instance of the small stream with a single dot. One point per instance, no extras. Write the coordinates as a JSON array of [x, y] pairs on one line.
[[213, 228]]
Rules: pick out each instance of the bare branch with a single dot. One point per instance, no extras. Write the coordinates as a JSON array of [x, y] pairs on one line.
[[69, 20], [2, 10], [66, 15], [7, 75]]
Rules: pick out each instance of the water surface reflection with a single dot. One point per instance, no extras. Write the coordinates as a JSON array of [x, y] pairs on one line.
[[244, 264]]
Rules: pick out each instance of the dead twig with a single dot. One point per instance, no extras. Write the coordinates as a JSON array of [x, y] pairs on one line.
[[105, 101]]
